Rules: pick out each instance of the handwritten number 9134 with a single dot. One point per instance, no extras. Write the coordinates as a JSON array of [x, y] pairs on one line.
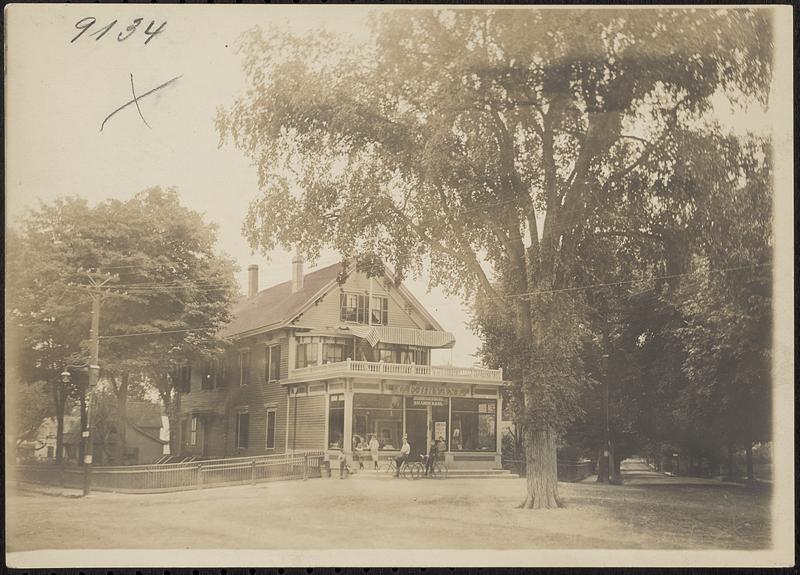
[[84, 24]]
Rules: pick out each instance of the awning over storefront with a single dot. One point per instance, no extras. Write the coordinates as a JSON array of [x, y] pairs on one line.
[[403, 336]]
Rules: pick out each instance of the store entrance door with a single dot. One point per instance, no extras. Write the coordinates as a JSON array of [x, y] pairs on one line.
[[417, 431], [426, 421]]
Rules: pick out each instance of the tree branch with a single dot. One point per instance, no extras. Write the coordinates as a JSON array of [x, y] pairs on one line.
[[469, 259]]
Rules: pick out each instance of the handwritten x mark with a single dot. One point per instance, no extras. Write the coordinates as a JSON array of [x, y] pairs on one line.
[[136, 101]]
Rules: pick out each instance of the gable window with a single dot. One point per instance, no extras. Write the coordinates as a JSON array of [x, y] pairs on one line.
[[193, 436], [244, 368], [272, 365], [307, 354], [353, 308], [356, 308], [242, 429], [270, 429], [380, 310]]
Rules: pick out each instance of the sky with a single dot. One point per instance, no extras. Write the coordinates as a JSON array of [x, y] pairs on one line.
[[59, 92]]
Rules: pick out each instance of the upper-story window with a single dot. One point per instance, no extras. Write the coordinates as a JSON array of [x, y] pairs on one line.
[[356, 308], [380, 310], [183, 378], [402, 354], [272, 365], [307, 354], [332, 352], [213, 374], [244, 368]]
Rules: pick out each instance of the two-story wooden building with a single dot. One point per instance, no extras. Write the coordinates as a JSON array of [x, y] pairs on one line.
[[329, 359]]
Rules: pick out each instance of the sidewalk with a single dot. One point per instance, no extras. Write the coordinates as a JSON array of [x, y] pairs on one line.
[[41, 489]]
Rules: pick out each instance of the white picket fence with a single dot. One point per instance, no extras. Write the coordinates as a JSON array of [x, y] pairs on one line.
[[178, 476]]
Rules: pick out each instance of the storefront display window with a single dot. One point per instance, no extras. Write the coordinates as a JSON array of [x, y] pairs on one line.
[[336, 421], [474, 424], [379, 415]]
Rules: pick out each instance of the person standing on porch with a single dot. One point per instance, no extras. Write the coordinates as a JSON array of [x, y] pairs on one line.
[[374, 446], [404, 452]]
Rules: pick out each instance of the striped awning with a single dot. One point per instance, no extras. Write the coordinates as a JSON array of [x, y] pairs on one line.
[[403, 336]]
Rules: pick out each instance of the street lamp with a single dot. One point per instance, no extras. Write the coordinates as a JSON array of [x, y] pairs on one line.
[[86, 418]]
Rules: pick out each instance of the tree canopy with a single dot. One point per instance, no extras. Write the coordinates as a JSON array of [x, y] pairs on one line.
[[166, 295], [499, 146]]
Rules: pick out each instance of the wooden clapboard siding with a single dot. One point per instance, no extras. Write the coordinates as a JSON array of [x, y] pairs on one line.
[[326, 312], [259, 394], [310, 422]]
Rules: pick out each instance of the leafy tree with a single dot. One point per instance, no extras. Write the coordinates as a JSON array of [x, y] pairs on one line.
[[167, 291], [31, 406], [493, 144], [45, 323]]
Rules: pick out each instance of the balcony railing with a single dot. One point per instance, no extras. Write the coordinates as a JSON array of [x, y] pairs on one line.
[[409, 371]]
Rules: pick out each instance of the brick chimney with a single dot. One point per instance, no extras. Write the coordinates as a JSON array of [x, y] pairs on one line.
[[297, 272], [252, 280]]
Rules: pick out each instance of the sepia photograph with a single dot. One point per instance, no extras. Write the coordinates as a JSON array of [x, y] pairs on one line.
[[398, 286]]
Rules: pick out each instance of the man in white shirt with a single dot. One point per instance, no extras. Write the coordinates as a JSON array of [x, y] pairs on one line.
[[404, 453]]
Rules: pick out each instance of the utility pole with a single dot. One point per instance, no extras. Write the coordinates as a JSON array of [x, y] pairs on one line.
[[94, 375]]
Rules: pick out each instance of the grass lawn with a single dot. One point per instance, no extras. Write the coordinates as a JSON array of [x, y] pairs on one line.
[[361, 513]]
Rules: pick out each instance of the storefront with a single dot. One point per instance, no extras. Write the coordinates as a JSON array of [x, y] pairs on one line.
[[464, 416]]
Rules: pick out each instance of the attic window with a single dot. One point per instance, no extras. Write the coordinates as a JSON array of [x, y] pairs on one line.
[[355, 308], [380, 310]]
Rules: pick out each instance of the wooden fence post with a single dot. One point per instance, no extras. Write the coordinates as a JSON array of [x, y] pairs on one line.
[[305, 466], [200, 476], [253, 472]]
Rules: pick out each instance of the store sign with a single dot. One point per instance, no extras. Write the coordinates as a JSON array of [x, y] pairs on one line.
[[432, 389], [432, 401]]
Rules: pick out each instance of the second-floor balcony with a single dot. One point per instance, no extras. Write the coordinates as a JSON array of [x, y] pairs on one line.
[[396, 371]]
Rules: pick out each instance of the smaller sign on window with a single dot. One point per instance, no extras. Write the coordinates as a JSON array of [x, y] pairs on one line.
[[432, 401]]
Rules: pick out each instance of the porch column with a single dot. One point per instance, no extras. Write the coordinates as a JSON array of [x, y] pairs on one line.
[[498, 458], [498, 422], [347, 441]]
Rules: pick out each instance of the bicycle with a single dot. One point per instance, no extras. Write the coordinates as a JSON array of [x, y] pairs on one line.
[[439, 471], [410, 469]]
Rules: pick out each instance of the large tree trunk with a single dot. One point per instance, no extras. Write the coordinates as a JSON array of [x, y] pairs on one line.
[[542, 470], [603, 472]]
